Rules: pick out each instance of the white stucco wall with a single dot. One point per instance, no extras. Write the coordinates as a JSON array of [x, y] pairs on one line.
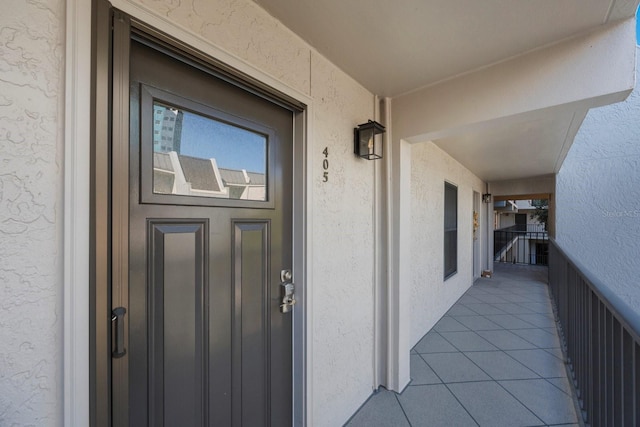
[[431, 296], [598, 196], [342, 249], [31, 119], [507, 220]]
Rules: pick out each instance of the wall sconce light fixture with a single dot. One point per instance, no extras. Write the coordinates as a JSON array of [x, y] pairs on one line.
[[367, 140], [486, 198]]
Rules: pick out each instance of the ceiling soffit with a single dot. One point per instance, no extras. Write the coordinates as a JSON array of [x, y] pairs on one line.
[[395, 47]]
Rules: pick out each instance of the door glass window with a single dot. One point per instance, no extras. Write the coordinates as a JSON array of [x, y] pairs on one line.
[[196, 155]]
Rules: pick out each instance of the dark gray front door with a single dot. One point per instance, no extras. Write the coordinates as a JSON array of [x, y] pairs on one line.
[[210, 232]]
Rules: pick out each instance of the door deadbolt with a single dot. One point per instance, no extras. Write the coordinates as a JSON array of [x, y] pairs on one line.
[[286, 276], [287, 291]]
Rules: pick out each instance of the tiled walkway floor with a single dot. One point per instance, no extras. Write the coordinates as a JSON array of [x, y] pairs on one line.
[[493, 360]]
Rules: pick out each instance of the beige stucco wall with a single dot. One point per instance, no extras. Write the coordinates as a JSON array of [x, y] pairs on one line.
[[31, 119], [431, 296]]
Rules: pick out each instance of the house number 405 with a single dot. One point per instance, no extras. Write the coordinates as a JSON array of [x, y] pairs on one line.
[[325, 164]]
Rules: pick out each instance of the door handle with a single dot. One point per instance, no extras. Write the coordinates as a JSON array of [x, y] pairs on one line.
[[117, 332], [287, 291]]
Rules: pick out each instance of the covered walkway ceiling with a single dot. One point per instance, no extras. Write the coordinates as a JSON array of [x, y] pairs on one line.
[[430, 48], [395, 47]]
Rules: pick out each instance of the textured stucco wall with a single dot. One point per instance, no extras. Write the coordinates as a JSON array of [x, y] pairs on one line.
[[342, 250], [342, 211], [598, 196], [31, 86], [431, 296]]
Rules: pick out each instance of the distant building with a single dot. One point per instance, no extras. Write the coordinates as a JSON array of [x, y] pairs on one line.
[[167, 129], [519, 236]]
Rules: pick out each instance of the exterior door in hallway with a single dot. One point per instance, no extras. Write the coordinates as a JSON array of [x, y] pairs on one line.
[[210, 237], [521, 222]]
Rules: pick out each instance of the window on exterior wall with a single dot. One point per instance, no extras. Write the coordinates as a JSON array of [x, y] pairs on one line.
[[450, 230]]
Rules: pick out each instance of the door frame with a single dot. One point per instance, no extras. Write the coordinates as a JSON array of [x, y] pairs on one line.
[[111, 79], [478, 237]]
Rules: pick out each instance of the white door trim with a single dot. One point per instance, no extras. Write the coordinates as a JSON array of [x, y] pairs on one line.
[[77, 133]]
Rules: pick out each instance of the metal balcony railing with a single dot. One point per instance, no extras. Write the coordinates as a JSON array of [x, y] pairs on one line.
[[521, 244], [602, 343]]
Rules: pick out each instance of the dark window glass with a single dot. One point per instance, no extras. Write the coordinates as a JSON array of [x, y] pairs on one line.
[[450, 229]]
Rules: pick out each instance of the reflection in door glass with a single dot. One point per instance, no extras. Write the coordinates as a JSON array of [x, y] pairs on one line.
[[194, 155]]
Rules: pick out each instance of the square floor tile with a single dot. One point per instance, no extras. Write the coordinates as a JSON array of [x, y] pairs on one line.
[[501, 366], [421, 373], [449, 324], [539, 320], [535, 295], [513, 308], [454, 367], [468, 341], [490, 405], [478, 323], [460, 310], [562, 384], [381, 410], [506, 340], [433, 342], [538, 307], [495, 290], [468, 299], [548, 403], [483, 384], [539, 361], [557, 352], [484, 308], [491, 298], [476, 289], [519, 298], [509, 321], [433, 405], [539, 337]]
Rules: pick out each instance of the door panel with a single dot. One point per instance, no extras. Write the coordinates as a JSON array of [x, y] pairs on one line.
[[178, 345], [250, 316], [207, 343]]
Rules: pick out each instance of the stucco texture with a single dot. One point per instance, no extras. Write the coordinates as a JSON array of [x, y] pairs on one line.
[[341, 240], [598, 196], [244, 30], [431, 295], [31, 84], [342, 249]]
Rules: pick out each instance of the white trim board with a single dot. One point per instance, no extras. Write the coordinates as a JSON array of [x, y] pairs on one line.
[[77, 101]]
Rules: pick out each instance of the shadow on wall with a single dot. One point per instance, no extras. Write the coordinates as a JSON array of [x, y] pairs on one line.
[[598, 196]]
